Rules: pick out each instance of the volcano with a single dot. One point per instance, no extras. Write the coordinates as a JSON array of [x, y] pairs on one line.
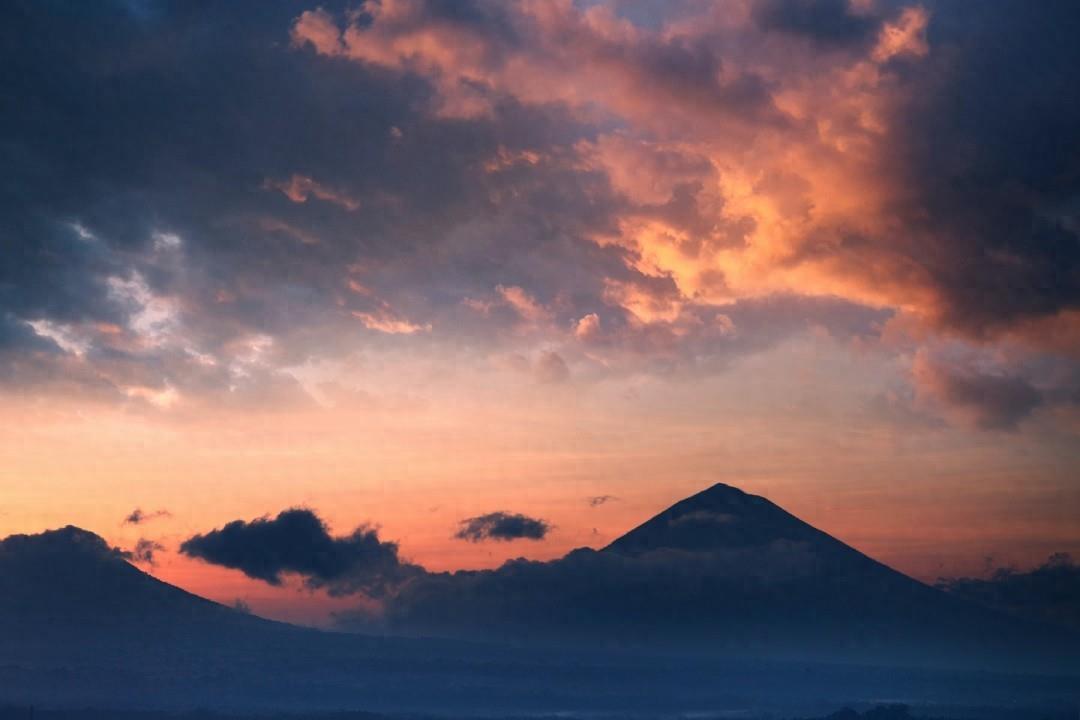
[[729, 573], [688, 604]]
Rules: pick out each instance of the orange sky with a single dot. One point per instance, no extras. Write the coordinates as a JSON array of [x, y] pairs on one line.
[[929, 501]]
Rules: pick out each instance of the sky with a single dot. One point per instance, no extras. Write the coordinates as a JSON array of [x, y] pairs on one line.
[[488, 280]]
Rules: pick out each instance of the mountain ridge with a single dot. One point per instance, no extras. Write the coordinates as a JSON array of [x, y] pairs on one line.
[[722, 571]]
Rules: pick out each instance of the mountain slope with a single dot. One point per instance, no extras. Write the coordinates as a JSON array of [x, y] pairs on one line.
[[71, 577], [719, 517], [730, 573]]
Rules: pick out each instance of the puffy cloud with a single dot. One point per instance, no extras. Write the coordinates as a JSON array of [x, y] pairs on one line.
[[502, 526], [297, 542], [588, 326]]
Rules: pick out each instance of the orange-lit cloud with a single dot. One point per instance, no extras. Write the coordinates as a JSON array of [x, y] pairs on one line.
[[299, 187], [429, 259]]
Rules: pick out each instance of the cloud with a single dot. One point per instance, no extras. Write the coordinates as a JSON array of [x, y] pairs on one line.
[[502, 526], [604, 188], [64, 336], [824, 21], [298, 188], [551, 368], [598, 500], [385, 320], [589, 593], [865, 99], [297, 542], [530, 312], [1048, 593], [588, 326], [144, 552], [138, 516], [989, 401]]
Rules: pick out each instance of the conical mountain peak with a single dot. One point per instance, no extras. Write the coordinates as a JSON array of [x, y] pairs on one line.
[[720, 517]]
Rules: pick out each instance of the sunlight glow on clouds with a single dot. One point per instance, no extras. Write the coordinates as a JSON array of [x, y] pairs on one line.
[[750, 235]]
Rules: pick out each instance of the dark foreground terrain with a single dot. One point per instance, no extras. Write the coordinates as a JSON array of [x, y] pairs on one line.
[[878, 712]]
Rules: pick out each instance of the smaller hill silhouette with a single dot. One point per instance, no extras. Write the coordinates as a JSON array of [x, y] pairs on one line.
[[72, 577]]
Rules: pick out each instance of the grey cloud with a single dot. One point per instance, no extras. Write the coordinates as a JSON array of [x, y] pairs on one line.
[[829, 22], [138, 516], [989, 401], [144, 552], [502, 526], [297, 542], [988, 142]]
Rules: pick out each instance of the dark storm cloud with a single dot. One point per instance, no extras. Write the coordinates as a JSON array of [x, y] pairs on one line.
[[297, 542], [991, 149], [138, 516], [502, 526], [1049, 593]]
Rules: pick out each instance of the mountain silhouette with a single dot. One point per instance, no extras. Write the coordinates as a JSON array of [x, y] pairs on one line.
[[719, 518], [724, 597], [72, 579], [724, 572]]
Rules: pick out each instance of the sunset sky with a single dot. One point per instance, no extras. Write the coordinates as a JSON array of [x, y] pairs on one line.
[[410, 263]]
